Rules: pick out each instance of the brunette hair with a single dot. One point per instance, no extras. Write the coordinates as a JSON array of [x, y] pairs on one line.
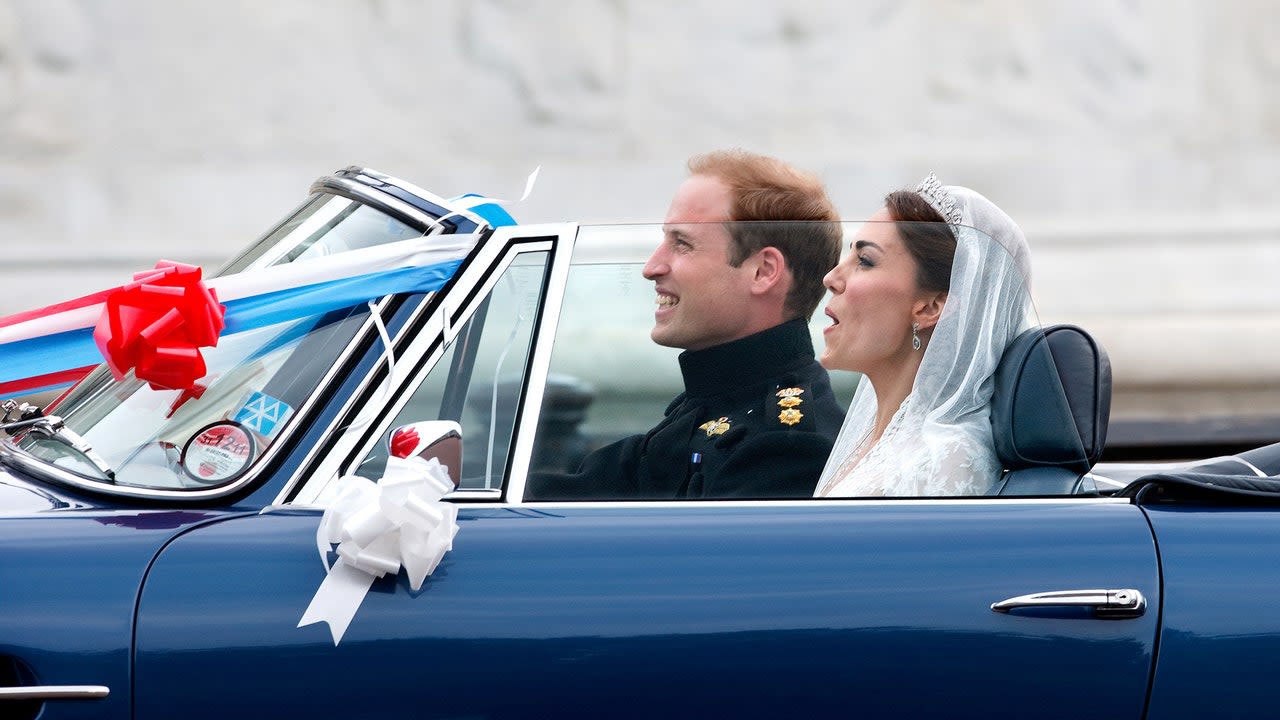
[[933, 246], [798, 219]]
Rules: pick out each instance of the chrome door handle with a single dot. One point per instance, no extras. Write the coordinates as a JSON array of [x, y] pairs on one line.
[[1114, 604], [54, 692]]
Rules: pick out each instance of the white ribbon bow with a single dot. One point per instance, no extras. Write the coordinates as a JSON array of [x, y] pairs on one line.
[[379, 527]]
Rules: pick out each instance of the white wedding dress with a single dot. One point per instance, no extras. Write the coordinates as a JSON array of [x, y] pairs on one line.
[[939, 441]]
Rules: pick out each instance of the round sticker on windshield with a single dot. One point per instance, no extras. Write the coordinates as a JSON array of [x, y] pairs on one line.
[[219, 452]]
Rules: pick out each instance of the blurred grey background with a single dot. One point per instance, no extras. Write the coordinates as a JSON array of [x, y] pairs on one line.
[[1136, 141]]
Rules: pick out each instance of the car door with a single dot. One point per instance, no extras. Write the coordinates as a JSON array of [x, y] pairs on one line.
[[740, 609], [815, 608]]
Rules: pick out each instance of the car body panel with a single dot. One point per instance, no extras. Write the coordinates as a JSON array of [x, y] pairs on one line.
[[1220, 629], [737, 609], [71, 581]]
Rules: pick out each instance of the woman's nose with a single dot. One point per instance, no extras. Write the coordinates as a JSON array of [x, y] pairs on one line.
[[829, 280]]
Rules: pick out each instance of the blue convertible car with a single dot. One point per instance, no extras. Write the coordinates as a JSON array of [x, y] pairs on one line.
[[159, 547]]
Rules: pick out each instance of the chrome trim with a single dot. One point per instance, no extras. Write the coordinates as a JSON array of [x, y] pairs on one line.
[[968, 500], [1107, 604], [53, 427], [495, 254], [15, 457], [478, 495], [539, 366], [421, 193], [54, 692], [552, 507], [379, 201]]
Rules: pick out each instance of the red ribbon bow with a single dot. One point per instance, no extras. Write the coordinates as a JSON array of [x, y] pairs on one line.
[[157, 324]]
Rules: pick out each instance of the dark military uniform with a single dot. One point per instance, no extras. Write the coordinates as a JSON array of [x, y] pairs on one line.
[[757, 419]]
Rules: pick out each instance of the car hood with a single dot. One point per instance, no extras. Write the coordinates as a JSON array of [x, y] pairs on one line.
[[20, 495], [23, 497]]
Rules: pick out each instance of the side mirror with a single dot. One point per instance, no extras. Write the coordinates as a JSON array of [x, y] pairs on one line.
[[439, 439]]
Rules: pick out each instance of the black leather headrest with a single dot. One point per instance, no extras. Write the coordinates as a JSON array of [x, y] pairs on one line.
[[1052, 400]]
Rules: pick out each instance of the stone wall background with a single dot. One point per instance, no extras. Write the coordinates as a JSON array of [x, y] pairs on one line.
[[1136, 141]]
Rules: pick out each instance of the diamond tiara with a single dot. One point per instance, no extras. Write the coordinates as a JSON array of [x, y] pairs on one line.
[[939, 199]]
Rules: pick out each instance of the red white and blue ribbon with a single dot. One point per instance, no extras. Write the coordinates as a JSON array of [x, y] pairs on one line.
[[54, 346], [136, 326]]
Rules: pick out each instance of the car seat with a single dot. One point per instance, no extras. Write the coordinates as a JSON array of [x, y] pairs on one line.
[[1049, 411]]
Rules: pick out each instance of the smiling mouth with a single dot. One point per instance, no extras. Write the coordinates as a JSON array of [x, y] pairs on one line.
[[667, 300]]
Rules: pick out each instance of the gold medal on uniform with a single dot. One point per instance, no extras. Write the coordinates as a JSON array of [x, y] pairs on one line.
[[789, 400], [715, 427], [790, 416]]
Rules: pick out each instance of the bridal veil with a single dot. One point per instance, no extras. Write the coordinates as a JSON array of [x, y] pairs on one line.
[[939, 442]]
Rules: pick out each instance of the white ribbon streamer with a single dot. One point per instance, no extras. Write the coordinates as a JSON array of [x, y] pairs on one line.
[[467, 202], [399, 521]]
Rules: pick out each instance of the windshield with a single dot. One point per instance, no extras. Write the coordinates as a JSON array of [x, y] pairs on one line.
[[256, 379]]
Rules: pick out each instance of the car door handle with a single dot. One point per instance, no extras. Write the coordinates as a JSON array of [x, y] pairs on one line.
[[54, 692], [1112, 604]]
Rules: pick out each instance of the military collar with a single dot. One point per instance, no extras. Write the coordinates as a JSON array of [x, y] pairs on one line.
[[747, 361]]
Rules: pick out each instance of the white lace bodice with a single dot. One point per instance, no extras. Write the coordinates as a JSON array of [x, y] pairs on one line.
[[902, 464]]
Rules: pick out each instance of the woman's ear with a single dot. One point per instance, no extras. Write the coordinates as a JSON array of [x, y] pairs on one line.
[[928, 309]]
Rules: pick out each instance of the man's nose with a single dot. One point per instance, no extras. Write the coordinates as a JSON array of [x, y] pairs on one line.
[[656, 266]]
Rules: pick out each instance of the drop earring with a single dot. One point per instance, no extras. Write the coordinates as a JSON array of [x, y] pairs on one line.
[[915, 339]]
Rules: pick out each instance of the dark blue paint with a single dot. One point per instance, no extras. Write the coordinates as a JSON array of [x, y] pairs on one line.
[[71, 578], [808, 609], [1220, 641]]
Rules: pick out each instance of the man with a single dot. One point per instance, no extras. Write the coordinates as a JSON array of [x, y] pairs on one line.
[[758, 417]]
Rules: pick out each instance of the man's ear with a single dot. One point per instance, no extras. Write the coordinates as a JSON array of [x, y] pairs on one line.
[[770, 270], [928, 309]]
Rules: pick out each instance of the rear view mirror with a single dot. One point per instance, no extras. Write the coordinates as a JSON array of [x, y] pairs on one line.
[[439, 439]]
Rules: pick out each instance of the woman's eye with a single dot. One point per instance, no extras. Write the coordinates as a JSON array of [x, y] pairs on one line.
[[864, 261]]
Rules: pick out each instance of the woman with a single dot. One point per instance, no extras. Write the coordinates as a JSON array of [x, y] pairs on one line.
[[923, 307]]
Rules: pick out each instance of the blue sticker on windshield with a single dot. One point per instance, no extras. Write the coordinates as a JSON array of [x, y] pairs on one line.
[[263, 414]]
